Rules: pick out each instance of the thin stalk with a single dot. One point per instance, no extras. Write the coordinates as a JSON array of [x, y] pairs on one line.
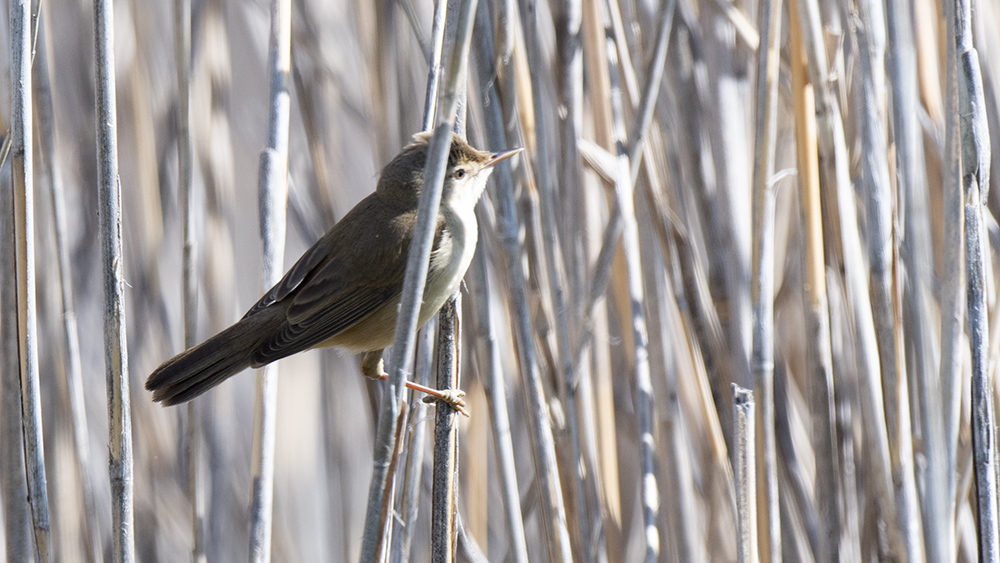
[[444, 479], [273, 194], [835, 178], [917, 261], [413, 19], [952, 260], [499, 111], [569, 96], [434, 68], [491, 371], [818, 354], [16, 512], [645, 406], [115, 349], [552, 246], [567, 277], [413, 284], [879, 206], [444, 476], [983, 418], [416, 438], [746, 479], [414, 462], [189, 249], [651, 89], [762, 282], [975, 167], [115, 346], [70, 334], [613, 16], [22, 176]]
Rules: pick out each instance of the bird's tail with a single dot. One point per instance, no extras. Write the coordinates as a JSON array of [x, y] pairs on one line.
[[191, 373]]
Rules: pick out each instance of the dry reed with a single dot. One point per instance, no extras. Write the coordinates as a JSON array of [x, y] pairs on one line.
[[637, 260]]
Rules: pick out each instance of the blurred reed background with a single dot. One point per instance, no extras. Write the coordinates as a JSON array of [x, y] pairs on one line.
[[808, 179]]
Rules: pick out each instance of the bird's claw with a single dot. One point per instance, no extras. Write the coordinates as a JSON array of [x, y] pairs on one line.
[[454, 398]]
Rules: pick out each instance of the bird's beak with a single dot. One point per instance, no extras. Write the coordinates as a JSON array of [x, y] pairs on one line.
[[502, 155]]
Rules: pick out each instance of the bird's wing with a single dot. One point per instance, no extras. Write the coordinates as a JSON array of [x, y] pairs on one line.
[[323, 319], [292, 278], [333, 296], [318, 254]]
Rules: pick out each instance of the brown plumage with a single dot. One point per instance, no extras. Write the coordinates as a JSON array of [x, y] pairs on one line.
[[344, 291]]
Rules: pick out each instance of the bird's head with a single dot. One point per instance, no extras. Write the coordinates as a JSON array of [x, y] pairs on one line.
[[468, 169]]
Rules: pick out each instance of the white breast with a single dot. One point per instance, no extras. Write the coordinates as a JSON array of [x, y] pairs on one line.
[[459, 245]]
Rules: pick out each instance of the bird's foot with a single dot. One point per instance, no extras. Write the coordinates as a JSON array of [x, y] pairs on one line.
[[373, 367], [454, 398]]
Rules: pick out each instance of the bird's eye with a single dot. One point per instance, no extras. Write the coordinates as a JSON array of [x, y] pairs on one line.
[[460, 173]]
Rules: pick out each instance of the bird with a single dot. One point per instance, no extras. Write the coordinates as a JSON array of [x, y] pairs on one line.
[[344, 291]]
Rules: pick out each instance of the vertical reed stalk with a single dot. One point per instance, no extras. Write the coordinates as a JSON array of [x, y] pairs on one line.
[[835, 176], [413, 284], [762, 282], [879, 205], [975, 173], [491, 375], [51, 168], [445, 472], [819, 354], [16, 511], [746, 479], [916, 263], [501, 129], [645, 405], [115, 346], [189, 251], [273, 190], [22, 176]]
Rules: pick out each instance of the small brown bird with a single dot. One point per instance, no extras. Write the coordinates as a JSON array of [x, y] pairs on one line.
[[344, 291]]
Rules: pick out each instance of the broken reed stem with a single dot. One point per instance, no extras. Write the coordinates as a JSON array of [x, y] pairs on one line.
[[746, 474]]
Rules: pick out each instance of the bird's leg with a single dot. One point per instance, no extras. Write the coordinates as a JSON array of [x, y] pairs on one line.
[[373, 367]]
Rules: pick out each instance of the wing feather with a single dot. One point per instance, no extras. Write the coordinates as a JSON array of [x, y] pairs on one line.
[[336, 284], [324, 322]]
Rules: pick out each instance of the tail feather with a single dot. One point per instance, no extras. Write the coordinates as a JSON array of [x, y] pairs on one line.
[[191, 373]]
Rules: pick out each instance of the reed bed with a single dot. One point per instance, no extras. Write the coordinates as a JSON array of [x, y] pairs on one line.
[[736, 301]]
